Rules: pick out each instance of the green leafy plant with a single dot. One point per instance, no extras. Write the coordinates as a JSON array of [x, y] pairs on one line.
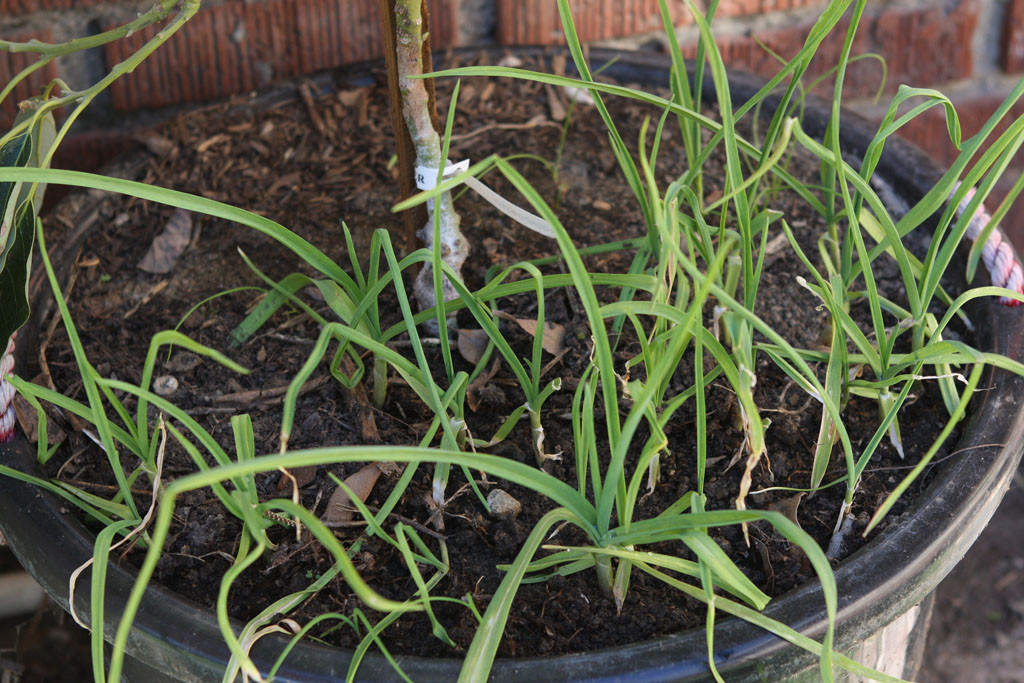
[[689, 296]]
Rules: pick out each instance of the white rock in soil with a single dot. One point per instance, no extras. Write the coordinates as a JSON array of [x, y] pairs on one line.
[[165, 385], [503, 506]]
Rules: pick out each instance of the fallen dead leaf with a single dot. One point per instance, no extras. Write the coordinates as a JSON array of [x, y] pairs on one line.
[[211, 141], [306, 95], [349, 98], [472, 344], [359, 404], [340, 508], [558, 64], [148, 296], [488, 91], [288, 181], [473, 391], [555, 106], [158, 145], [552, 337], [169, 245], [28, 418], [788, 507], [302, 476]]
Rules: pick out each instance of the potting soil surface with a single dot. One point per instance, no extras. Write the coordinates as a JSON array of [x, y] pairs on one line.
[[311, 163]]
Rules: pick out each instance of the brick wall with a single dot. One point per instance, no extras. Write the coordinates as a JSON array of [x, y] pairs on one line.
[[973, 50]]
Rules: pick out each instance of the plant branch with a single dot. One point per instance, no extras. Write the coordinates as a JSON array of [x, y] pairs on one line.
[[446, 236]]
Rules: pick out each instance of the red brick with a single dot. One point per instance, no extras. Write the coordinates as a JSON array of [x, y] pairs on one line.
[[928, 131], [939, 51], [739, 8], [12, 63], [239, 46], [1013, 222], [226, 49], [1012, 58], [15, 8], [535, 22]]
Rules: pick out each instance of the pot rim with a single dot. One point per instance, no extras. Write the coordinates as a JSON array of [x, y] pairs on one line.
[[933, 535]]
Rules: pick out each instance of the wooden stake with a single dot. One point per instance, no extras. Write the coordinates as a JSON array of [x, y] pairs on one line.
[[416, 218]]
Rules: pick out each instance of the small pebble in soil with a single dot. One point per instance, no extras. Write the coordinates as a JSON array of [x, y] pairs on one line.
[[503, 506], [165, 385]]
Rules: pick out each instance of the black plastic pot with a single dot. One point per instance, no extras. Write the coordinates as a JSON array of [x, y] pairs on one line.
[[884, 588]]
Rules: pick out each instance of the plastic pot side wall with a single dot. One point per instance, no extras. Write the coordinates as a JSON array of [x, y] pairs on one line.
[[890, 577]]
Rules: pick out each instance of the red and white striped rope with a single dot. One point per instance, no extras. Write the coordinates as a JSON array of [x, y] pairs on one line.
[[996, 253], [7, 417]]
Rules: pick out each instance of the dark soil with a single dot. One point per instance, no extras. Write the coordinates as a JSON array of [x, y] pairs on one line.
[[312, 165]]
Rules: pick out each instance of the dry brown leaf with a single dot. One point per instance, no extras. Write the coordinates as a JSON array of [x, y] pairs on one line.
[[248, 398], [360, 405], [306, 95], [169, 245], [766, 561], [788, 507], [288, 181], [340, 508], [555, 106], [472, 344], [158, 144], [349, 98], [28, 418], [553, 335], [472, 392], [211, 141], [302, 475], [558, 64]]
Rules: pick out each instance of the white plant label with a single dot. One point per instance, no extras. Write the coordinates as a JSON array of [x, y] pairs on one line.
[[426, 177]]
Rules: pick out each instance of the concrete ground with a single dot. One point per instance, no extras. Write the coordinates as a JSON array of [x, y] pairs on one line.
[[977, 631]]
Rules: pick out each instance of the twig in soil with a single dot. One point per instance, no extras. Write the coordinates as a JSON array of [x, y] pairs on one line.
[[290, 323], [78, 483], [211, 410], [766, 562], [290, 339], [264, 396], [553, 362], [437, 516], [426, 341], [67, 462], [935, 462], [570, 294], [306, 95], [535, 122], [153, 291], [287, 521], [788, 411], [201, 558]]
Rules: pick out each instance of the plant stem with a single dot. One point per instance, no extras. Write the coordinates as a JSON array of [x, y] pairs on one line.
[[416, 110]]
